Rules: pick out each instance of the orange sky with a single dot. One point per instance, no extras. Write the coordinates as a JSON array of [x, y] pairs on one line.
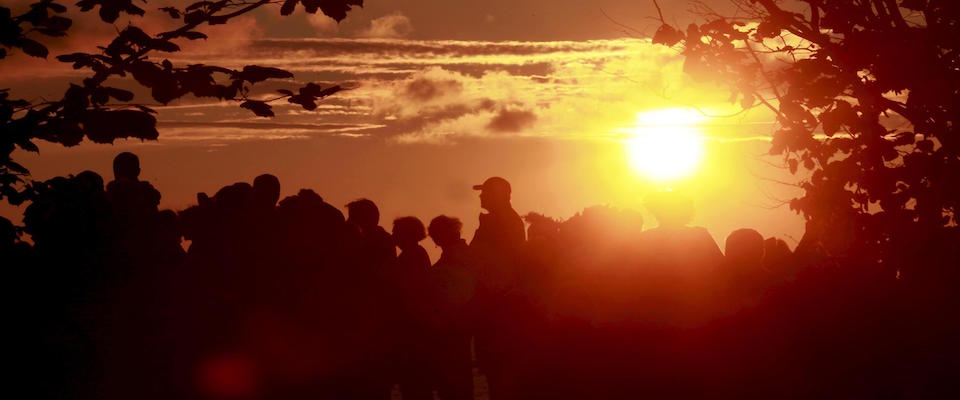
[[444, 94]]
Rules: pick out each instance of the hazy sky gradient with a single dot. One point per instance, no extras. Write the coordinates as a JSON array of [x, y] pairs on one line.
[[443, 95]]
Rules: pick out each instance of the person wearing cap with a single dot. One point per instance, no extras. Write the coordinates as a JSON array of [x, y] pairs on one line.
[[496, 244], [501, 227]]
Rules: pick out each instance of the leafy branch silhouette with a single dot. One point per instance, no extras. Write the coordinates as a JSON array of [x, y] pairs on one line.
[[103, 113], [865, 94]]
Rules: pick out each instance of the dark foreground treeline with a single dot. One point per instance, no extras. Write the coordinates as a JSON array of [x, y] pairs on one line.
[[293, 300]]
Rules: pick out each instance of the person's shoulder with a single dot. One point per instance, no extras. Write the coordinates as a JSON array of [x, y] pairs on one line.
[[380, 232], [506, 216], [700, 232], [382, 237], [651, 234], [148, 188], [421, 252], [124, 185]]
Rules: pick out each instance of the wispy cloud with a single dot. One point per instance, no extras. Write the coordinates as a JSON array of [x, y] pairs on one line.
[[389, 26], [441, 90]]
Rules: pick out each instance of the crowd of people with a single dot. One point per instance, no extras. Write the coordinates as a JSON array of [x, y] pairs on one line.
[[290, 299]]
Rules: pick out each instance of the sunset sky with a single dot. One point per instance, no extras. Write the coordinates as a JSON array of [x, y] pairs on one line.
[[443, 95]]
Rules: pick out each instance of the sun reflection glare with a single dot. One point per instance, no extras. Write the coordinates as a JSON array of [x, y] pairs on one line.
[[666, 144]]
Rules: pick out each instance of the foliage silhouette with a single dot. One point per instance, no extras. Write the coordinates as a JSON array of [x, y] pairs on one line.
[[866, 100], [102, 113]]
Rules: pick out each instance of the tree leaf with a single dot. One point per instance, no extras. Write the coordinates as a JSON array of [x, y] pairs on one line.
[[28, 146], [58, 8], [667, 35], [254, 73], [164, 45], [288, 7], [173, 12], [336, 9], [119, 94], [145, 108], [259, 108], [106, 126], [194, 35], [33, 48], [58, 23]]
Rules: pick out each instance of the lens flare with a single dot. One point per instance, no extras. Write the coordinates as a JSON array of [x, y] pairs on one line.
[[666, 144]]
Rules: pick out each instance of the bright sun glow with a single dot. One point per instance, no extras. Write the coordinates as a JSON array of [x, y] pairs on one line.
[[666, 144]]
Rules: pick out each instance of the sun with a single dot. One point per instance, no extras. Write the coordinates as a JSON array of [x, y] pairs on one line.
[[666, 144]]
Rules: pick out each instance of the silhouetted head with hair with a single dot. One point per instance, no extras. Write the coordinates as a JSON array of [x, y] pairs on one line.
[[744, 248], [408, 231], [90, 181], [236, 197], [671, 209], [126, 165], [494, 193], [363, 213], [266, 190], [445, 230]]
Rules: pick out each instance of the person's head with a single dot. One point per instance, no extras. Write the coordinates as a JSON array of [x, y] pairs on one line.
[[744, 247], [90, 181], [236, 197], [266, 190], [445, 230], [408, 231], [363, 213], [126, 165], [494, 193], [776, 254], [671, 209]]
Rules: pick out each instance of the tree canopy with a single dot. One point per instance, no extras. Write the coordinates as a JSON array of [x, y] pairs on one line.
[[102, 113], [866, 95]]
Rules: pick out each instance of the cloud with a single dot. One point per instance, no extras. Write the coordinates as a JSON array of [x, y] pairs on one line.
[[441, 91], [323, 24], [431, 91], [389, 26], [425, 89], [508, 120], [446, 131], [229, 38]]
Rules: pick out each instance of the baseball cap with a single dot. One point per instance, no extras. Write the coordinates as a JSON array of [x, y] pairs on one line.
[[495, 183]]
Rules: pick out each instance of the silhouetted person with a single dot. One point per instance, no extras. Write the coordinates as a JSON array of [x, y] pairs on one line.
[[744, 249], [266, 190], [456, 286], [376, 245], [412, 278], [675, 244], [68, 288], [263, 216], [371, 262], [131, 198], [744, 273], [497, 244], [778, 259], [413, 258], [501, 228], [310, 225]]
